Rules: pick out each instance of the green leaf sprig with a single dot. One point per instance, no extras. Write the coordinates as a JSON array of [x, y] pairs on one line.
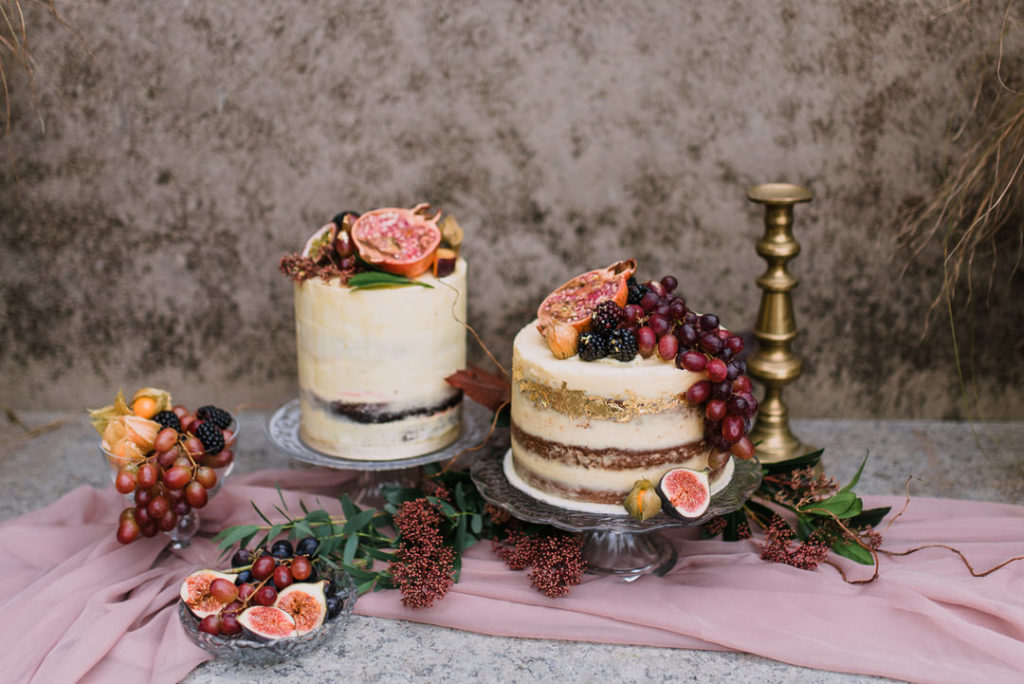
[[374, 280]]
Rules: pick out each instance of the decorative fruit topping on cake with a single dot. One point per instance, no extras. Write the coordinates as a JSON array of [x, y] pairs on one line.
[[643, 501], [399, 241], [573, 302], [563, 340], [685, 493], [622, 344]]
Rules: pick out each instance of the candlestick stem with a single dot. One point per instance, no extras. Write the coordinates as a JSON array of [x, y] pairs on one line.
[[774, 364]]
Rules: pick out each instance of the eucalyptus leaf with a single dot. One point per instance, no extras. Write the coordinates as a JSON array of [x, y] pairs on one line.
[[347, 507], [358, 522], [351, 544], [853, 551], [856, 478], [372, 280], [476, 523]]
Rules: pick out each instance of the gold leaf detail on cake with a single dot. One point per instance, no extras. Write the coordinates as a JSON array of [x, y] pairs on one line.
[[579, 404]]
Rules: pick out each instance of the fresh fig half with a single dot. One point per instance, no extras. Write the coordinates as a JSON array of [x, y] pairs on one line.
[[306, 603], [195, 592], [321, 242], [685, 493], [267, 622], [399, 241], [573, 302]]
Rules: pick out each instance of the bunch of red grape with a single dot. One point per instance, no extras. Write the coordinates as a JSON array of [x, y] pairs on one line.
[[663, 324], [178, 474]]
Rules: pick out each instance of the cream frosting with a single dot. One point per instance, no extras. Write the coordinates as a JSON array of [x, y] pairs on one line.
[[391, 348]]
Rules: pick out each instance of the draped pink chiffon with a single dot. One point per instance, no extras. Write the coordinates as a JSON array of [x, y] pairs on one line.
[[89, 608]]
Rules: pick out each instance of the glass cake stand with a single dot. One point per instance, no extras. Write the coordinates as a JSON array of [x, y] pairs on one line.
[[283, 430], [616, 544]]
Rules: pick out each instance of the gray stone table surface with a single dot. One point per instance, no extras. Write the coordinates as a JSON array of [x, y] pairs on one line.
[[944, 459]]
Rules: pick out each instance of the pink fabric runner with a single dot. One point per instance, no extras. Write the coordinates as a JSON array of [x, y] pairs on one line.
[[92, 609]]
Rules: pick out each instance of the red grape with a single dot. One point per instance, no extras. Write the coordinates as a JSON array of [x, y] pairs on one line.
[[125, 481], [669, 283], [196, 494], [158, 507], [266, 595], [656, 287], [263, 567], [166, 458], [694, 361], [646, 341], [223, 590], [146, 476], [186, 422], [668, 346], [699, 392], [149, 530], [687, 335], [741, 384], [245, 590], [717, 371], [634, 312], [180, 411], [732, 428], [744, 449], [709, 322], [128, 531], [302, 568], [229, 624], [182, 508], [168, 522], [677, 309], [649, 301], [210, 624], [710, 343], [177, 477], [128, 514], [142, 516], [206, 477], [715, 410], [193, 446], [659, 324], [165, 439], [738, 405], [282, 577], [735, 343]]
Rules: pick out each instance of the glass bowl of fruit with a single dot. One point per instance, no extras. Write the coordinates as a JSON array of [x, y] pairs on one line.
[[168, 464], [270, 606]]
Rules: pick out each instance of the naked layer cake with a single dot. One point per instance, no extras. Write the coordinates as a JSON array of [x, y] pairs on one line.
[[377, 336], [608, 394]]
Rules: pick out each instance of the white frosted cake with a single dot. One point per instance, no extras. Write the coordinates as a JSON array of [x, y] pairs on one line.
[[373, 357], [584, 432]]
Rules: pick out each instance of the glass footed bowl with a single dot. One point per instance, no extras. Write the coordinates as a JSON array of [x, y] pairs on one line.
[[188, 524], [251, 650]]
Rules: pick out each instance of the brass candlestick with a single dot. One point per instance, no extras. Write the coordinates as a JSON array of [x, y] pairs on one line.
[[774, 364]]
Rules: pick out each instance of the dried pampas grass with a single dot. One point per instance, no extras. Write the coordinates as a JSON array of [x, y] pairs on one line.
[[979, 208]]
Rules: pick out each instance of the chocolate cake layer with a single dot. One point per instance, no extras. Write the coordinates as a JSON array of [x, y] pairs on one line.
[[606, 458], [551, 487], [375, 413]]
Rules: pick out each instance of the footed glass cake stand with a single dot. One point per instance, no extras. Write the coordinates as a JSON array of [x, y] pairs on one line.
[[283, 431], [616, 544]]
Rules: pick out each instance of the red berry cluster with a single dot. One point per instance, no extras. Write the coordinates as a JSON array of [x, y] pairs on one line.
[[424, 565], [172, 479], [555, 560], [663, 324]]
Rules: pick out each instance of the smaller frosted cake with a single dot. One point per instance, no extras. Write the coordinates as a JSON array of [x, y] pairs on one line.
[[377, 335], [616, 385]]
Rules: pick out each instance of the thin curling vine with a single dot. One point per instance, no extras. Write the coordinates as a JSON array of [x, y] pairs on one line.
[[415, 542]]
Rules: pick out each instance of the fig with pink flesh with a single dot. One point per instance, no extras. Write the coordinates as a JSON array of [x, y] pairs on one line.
[[685, 493], [306, 603], [267, 622], [195, 592]]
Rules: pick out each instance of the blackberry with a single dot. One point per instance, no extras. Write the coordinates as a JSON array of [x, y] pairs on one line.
[[636, 291], [212, 414], [169, 419], [606, 317], [211, 437], [622, 345], [592, 346]]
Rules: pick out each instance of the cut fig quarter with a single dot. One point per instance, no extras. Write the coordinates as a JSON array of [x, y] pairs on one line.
[[685, 493]]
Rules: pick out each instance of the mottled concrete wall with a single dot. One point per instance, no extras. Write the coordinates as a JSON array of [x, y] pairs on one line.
[[188, 145]]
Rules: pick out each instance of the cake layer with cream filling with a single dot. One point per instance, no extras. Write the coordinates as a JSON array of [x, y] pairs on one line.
[[372, 366], [584, 432]]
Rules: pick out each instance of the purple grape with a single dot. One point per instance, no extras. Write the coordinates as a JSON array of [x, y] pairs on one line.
[[649, 301], [710, 342], [709, 322], [687, 335], [659, 324], [721, 390], [738, 405], [677, 309], [733, 370], [692, 361], [691, 318], [669, 283], [646, 341]]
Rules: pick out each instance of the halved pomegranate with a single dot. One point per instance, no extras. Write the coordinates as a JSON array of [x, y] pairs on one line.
[[573, 302], [399, 241]]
